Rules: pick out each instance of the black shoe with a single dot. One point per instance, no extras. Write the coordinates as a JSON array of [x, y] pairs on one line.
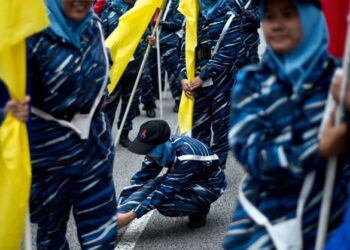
[[198, 219], [150, 113], [149, 108], [176, 106], [124, 140]]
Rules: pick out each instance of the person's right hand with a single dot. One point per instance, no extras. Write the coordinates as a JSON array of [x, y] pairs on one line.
[[334, 139], [125, 219], [151, 40], [336, 83], [18, 109]]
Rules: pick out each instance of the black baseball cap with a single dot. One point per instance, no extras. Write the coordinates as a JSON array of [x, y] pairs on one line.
[[151, 134]]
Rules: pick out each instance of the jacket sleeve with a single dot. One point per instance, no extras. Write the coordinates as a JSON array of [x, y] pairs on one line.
[[2, 115], [149, 170], [263, 150], [182, 58], [175, 22], [173, 181], [229, 52], [110, 18]]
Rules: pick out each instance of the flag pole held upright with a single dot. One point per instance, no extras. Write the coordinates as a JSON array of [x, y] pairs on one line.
[[332, 162], [139, 75], [190, 10]]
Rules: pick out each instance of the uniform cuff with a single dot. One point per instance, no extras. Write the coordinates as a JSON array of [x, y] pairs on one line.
[[204, 75], [140, 211]]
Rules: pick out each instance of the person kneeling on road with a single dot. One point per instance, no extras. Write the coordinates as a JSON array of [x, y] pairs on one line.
[[192, 182]]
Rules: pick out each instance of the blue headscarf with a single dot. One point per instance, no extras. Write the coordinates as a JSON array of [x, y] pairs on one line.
[[65, 27], [165, 152], [298, 63], [122, 5], [207, 7]]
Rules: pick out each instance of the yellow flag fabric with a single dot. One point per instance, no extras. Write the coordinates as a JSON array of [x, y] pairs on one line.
[[18, 20], [190, 9], [123, 41]]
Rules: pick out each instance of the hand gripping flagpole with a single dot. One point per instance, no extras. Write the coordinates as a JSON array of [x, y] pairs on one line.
[[332, 162], [144, 60]]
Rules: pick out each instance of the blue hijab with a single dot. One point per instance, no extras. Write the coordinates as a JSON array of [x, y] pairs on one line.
[[207, 7], [65, 27], [122, 5], [165, 152], [297, 64]]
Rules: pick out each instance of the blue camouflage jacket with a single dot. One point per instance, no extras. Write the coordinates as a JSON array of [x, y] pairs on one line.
[[172, 24], [274, 128], [195, 166], [66, 80], [110, 15], [223, 66]]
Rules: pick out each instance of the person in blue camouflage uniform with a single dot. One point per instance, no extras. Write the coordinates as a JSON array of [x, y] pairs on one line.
[[277, 109], [192, 182], [68, 171], [249, 15], [169, 43], [212, 101], [110, 14]]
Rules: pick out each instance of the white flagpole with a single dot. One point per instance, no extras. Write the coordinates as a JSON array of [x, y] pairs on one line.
[[159, 69], [159, 74], [27, 233], [332, 162], [138, 78]]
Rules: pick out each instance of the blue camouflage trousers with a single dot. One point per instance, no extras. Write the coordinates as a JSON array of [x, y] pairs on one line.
[[210, 122], [183, 203], [93, 203], [123, 92], [169, 62]]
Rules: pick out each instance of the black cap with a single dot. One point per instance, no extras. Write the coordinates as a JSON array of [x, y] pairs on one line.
[[151, 134]]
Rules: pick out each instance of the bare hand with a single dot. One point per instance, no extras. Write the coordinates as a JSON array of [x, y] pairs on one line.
[[186, 88], [196, 83], [125, 219], [336, 83], [18, 109], [151, 40], [334, 139]]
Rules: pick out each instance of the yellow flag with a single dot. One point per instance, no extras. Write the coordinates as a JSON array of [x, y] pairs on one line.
[[124, 40], [18, 20], [190, 9]]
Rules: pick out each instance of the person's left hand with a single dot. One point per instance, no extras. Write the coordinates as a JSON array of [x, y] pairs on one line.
[[334, 139], [195, 83], [336, 83], [125, 219], [186, 88]]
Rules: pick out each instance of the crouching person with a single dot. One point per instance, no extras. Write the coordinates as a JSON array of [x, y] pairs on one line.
[[193, 179]]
